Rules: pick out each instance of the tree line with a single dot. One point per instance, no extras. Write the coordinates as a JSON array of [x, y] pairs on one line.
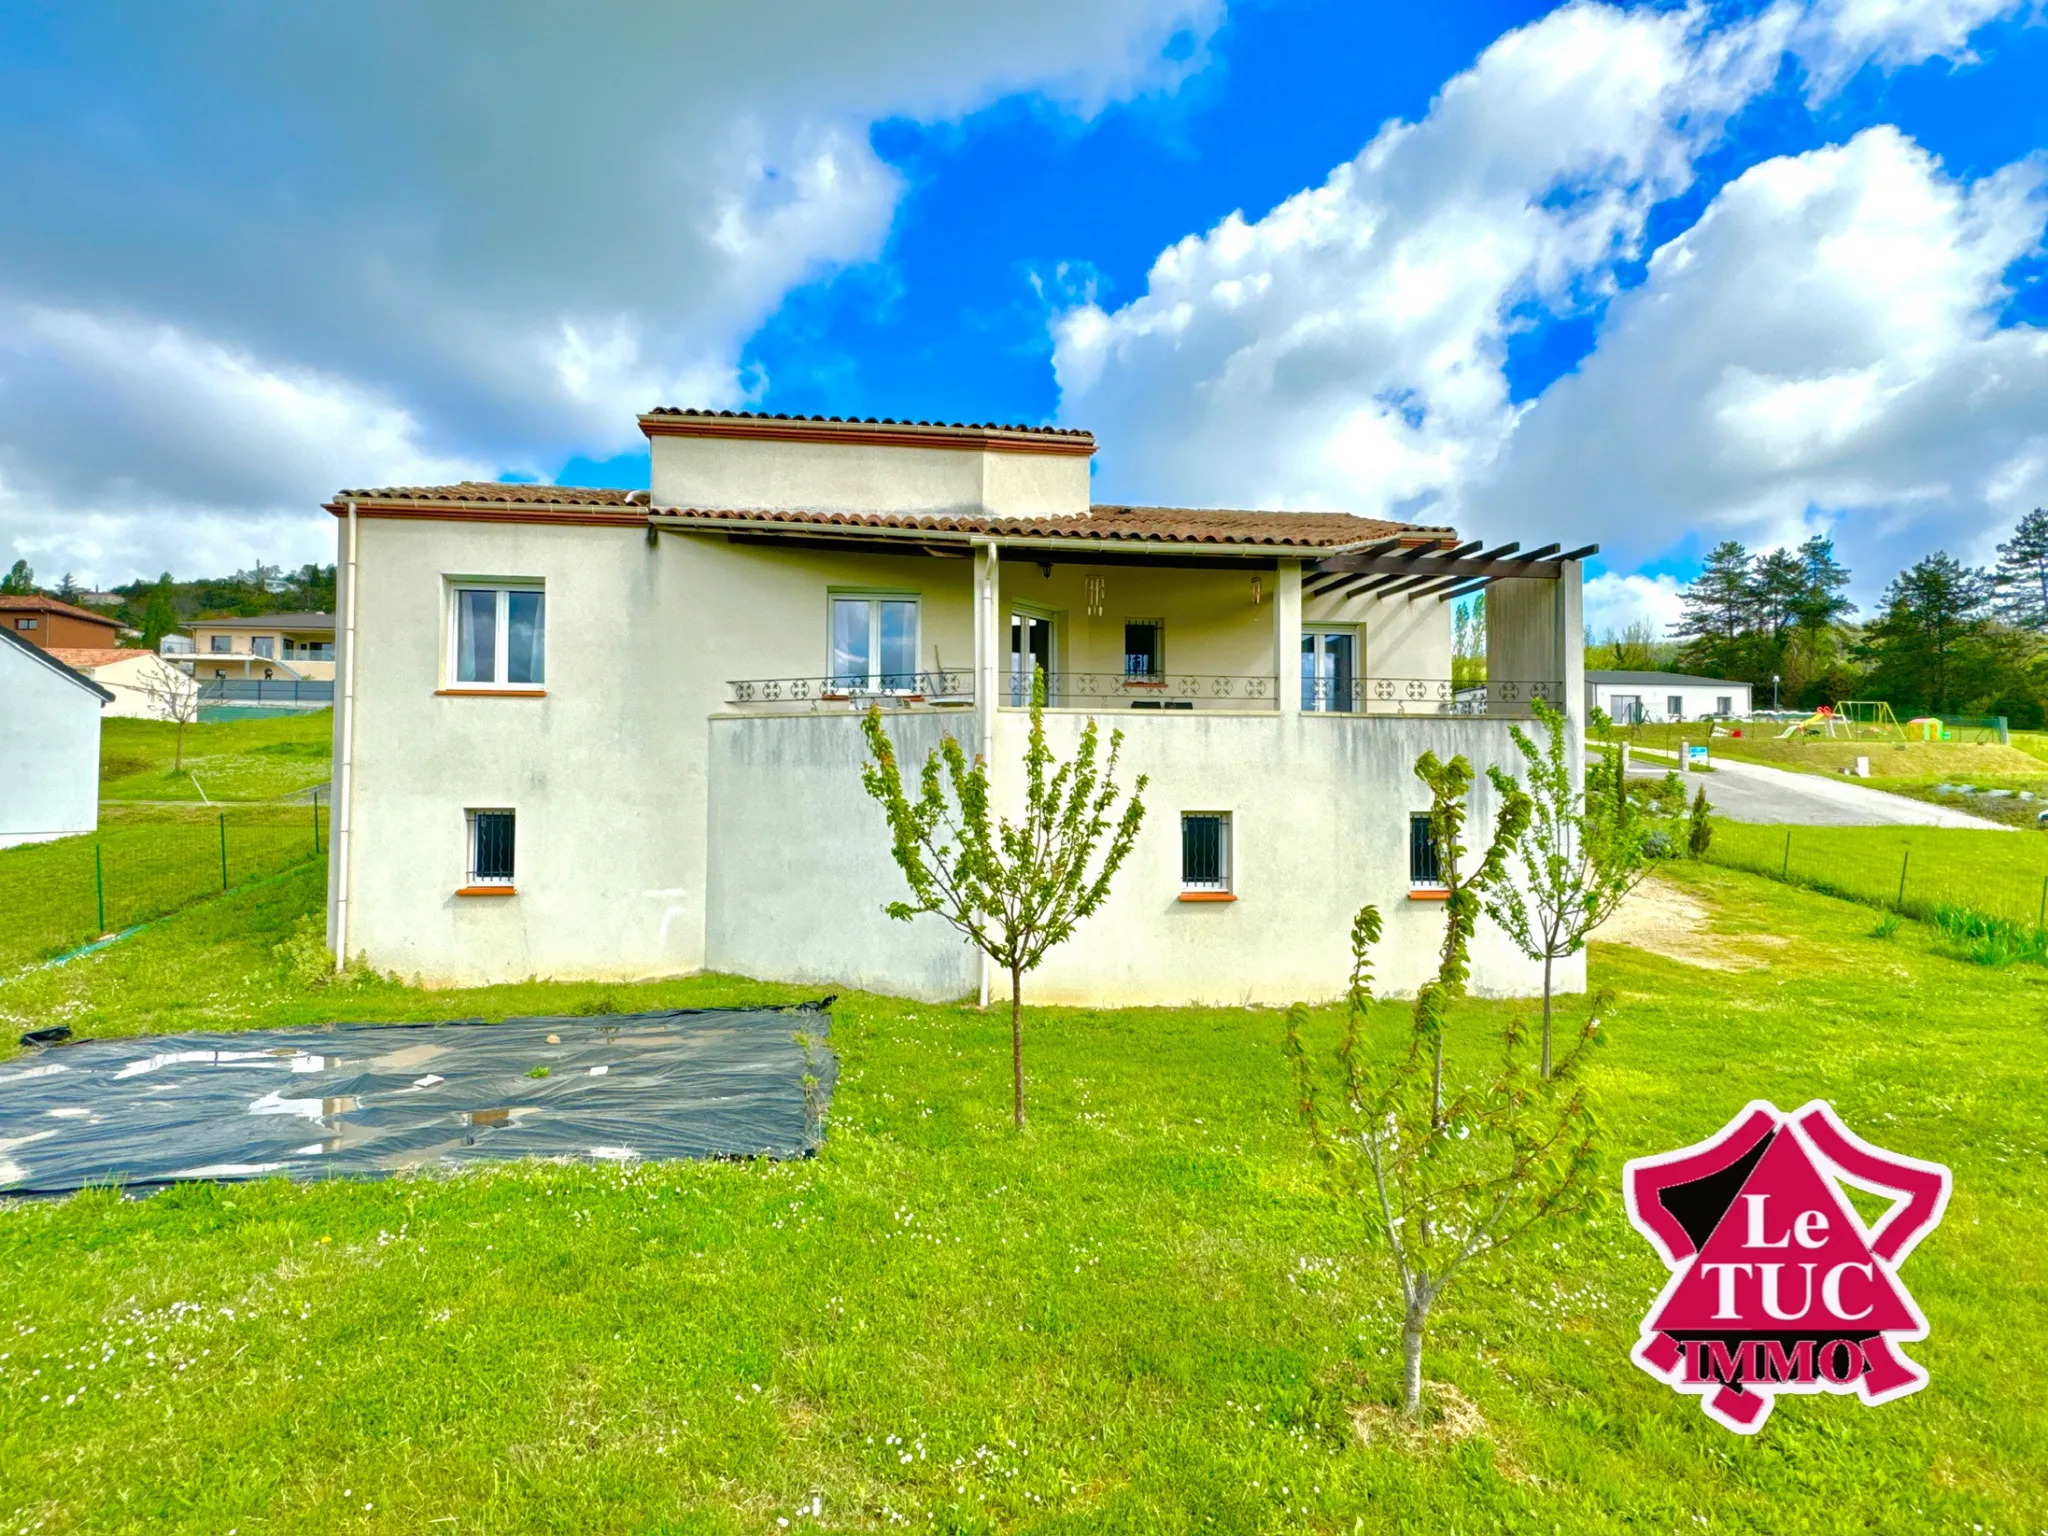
[[1946, 638], [161, 607]]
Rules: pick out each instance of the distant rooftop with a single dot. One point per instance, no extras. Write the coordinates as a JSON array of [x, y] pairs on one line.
[[1657, 679]]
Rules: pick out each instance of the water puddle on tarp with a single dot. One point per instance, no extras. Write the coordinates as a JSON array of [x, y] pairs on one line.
[[368, 1100]]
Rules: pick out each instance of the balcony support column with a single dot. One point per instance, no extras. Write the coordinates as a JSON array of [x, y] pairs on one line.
[[1287, 636]]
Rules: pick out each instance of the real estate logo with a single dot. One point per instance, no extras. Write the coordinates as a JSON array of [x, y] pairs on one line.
[[1777, 1285]]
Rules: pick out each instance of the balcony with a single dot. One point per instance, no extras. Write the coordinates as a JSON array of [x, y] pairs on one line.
[[1370, 697]]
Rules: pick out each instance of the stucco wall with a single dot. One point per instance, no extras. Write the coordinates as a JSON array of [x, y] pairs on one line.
[[747, 473], [1701, 699], [799, 865], [49, 751]]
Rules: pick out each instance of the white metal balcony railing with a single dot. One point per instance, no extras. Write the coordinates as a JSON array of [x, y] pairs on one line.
[[1177, 691]]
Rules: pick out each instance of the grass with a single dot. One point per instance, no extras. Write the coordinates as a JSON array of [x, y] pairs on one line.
[[1141, 1315], [234, 760], [1915, 760], [1999, 875], [143, 862]]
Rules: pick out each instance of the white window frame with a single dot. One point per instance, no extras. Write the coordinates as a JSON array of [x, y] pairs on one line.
[[471, 879], [1226, 857], [1314, 632], [874, 597], [503, 586]]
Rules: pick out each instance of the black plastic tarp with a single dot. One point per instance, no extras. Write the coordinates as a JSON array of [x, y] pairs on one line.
[[368, 1100]]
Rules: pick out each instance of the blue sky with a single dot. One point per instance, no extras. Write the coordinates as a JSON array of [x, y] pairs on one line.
[[1644, 275]]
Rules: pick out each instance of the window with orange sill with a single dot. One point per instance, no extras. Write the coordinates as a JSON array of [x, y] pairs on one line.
[[497, 636], [492, 836], [1425, 866]]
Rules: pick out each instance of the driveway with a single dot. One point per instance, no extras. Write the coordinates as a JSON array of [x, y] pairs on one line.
[[1749, 792]]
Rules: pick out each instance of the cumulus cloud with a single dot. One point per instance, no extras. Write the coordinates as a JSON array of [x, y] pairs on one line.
[[322, 245], [1613, 601], [1827, 338], [1822, 349]]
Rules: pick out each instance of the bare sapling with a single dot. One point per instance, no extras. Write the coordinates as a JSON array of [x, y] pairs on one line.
[[169, 694], [1577, 856], [1015, 889], [1447, 1179]]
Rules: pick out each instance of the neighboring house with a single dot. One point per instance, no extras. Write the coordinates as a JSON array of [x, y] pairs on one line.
[[272, 645], [601, 734], [129, 676], [48, 624], [1638, 698], [49, 745]]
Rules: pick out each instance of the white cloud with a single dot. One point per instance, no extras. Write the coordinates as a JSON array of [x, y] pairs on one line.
[[1614, 600], [366, 240], [1825, 339], [1822, 349], [1349, 347]]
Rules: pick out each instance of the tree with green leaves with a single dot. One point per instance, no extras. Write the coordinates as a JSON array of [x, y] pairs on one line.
[[159, 618], [2020, 578], [1579, 856], [1927, 647], [1013, 888], [19, 581], [1447, 1180], [1699, 832], [1450, 784]]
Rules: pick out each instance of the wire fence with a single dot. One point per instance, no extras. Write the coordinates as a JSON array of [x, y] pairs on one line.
[[143, 863], [1920, 872]]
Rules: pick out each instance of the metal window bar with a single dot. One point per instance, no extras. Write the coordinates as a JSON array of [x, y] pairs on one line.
[[491, 847], [1424, 866], [1204, 854]]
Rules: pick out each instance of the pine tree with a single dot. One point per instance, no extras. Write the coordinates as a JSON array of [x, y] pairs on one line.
[[1720, 609], [2021, 575], [1928, 643]]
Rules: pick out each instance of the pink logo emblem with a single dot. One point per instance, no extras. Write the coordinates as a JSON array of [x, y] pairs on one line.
[[1776, 1283]]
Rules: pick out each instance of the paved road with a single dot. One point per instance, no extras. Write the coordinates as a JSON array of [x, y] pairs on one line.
[[1749, 792]]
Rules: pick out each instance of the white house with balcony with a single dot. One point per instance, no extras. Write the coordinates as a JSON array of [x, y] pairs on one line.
[[605, 734]]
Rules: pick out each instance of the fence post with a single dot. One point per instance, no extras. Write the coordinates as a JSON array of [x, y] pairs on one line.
[[316, 826], [1904, 859], [99, 886], [1785, 871], [2042, 920], [223, 850]]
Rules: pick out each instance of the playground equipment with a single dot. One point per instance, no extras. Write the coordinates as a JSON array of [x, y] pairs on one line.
[[1851, 720]]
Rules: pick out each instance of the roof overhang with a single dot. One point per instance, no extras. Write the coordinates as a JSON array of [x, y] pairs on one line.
[[871, 433], [1388, 569]]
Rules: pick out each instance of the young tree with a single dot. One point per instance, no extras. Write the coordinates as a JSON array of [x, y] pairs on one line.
[[1465, 895], [1451, 1181], [1579, 854], [1015, 889], [1699, 832], [1634, 649], [2021, 575], [171, 695], [19, 581]]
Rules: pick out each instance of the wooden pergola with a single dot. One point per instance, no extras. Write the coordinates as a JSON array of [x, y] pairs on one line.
[[1388, 569]]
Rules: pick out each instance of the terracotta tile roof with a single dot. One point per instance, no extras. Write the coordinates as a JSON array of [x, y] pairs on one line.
[[869, 421], [12, 604], [1144, 525], [491, 493], [267, 621], [83, 657]]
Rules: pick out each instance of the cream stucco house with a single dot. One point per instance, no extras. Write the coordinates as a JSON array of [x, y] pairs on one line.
[[593, 733]]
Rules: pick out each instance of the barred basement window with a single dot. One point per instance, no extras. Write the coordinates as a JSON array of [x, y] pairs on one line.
[[490, 847], [1424, 868], [1205, 851]]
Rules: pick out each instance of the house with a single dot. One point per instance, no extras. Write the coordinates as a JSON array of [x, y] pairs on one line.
[[142, 684], [609, 734], [271, 645], [49, 745], [50, 624], [1638, 698]]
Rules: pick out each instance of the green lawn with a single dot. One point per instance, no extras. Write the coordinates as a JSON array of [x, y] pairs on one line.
[[2001, 874], [1141, 1315], [235, 760]]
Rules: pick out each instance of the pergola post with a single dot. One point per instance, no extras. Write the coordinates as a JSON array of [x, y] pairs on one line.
[[1287, 636]]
